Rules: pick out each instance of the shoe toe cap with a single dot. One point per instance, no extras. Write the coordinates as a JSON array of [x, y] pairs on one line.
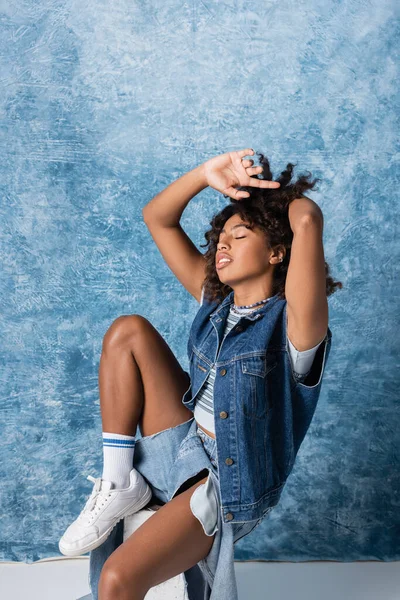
[[76, 536]]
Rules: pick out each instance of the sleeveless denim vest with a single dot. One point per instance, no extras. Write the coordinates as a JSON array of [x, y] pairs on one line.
[[262, 408]]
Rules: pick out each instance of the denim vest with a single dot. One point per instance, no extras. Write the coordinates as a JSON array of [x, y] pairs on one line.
[[262, 408]]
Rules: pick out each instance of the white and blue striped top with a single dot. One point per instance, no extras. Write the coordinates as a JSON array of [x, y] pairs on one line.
[[204, 407]]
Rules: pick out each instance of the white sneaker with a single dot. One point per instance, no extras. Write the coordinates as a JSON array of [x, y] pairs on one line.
[[105, 507]]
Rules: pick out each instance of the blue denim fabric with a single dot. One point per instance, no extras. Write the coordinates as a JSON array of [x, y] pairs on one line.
[[262, 408], [218, 566], [167, 459]]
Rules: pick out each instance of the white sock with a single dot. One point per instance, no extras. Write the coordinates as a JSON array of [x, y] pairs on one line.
[[118, 452]]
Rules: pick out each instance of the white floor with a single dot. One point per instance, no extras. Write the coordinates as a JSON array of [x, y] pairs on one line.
[[67, 579]]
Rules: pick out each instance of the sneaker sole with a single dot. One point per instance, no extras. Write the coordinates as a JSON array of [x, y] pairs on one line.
[[131, 510]]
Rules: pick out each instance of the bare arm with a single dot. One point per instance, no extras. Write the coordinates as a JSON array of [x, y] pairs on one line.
[[167, 207], [305, 288], [162, 215]]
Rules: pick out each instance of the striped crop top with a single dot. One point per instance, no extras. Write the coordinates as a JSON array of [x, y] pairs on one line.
[[204, 407]]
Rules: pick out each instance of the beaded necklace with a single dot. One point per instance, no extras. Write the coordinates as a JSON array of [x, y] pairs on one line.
[[239, 310]]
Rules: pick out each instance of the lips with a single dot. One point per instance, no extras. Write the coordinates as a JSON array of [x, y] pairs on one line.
[[221, 255], [222, 265]]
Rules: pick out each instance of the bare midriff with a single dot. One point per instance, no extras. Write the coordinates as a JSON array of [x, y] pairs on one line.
[[206, 430]]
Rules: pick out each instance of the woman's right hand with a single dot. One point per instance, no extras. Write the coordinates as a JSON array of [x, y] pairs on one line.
[[225, 171]]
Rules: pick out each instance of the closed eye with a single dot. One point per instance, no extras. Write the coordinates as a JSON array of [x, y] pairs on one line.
[[237, 238]]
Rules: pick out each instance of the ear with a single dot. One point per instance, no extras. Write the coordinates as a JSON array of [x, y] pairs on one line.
[[277, 255]]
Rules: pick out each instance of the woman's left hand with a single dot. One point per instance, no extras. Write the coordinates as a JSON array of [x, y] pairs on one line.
[[227, 170]]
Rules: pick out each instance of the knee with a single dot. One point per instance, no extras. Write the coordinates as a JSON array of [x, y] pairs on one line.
[[123, 329], [110, 584], [113, 584]]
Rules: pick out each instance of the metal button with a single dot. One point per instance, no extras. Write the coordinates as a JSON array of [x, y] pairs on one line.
[[223, 414], [222, 372], [228, 461], [229, 516]]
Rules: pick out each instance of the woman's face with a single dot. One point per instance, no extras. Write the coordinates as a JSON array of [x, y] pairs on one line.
[[247, 250]]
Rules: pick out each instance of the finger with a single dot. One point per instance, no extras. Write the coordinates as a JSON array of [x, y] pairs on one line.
[[254, 170], [247, 152], [236, 194], [247, 163], [262, 183]]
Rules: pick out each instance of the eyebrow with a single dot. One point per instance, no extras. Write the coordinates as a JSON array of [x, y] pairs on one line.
[[234, 227]]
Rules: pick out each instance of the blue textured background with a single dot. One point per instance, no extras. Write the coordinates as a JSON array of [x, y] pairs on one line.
[[104, 104]]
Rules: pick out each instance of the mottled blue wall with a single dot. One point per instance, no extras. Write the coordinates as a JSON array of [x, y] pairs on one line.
[[104, 104]]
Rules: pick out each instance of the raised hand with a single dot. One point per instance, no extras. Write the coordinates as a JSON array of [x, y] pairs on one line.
[[225, 171]]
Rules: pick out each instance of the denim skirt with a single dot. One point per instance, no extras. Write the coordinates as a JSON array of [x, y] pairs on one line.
[[171, 461]]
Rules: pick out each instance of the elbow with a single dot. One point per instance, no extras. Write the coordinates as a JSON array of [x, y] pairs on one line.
[[145, 213], [312, 219]]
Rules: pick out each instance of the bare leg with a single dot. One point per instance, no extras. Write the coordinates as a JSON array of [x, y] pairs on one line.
[[140, 380], [171, 541]]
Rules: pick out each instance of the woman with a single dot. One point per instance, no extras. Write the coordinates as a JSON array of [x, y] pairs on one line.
[[257, 350]]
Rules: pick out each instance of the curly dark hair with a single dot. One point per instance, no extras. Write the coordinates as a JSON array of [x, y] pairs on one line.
[[266, 208]]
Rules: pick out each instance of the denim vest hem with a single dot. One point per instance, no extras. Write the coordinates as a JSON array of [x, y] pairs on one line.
[[244, 513]]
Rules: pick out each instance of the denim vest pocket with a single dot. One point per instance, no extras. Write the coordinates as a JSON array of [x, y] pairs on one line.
[[200, 366], [254, 373]]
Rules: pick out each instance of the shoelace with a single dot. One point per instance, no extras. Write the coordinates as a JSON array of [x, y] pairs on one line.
[[97, 499]]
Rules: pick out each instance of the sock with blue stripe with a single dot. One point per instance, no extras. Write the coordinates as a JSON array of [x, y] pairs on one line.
[[118, 452]]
